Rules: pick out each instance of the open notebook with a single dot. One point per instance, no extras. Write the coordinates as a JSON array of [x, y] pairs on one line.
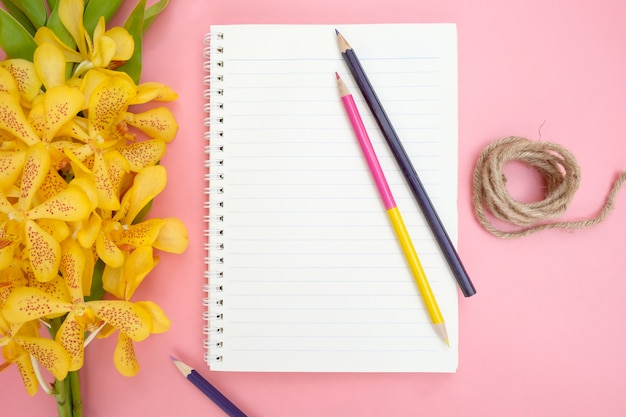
[[304, 270]]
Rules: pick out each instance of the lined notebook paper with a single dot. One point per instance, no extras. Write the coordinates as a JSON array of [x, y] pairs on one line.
[[304, 270]]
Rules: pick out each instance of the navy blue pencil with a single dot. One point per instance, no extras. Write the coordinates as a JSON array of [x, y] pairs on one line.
[[209, 390], [406, 167]]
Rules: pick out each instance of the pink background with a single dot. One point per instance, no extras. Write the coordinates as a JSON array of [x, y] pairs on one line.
[[545, 334]]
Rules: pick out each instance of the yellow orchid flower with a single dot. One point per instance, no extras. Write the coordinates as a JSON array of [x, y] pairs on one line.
[[24, 219], [108, 121], [27, 303], [20, 342], [107, 49], [126, 246]]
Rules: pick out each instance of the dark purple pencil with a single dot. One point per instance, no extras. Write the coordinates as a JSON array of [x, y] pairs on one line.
[[209, 390], [406, 166]]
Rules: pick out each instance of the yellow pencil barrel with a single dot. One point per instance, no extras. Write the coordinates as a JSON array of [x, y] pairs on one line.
[[415, 265]]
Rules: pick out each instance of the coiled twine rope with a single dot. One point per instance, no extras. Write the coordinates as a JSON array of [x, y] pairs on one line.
[[560, 172]]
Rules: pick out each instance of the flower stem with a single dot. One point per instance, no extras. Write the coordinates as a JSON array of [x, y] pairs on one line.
[[63, 395], [77, 402]]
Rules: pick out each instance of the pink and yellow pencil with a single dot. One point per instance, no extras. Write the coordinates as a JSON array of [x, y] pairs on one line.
[[392, 210]]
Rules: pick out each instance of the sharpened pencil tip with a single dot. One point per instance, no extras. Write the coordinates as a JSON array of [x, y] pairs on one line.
[[336, 32], [173, 358], [337, 75]]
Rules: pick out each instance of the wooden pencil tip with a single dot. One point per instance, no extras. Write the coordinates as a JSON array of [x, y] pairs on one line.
[[336, 32], [337, 75], [174, 359]]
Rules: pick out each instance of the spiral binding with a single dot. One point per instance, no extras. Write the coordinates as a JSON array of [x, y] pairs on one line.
[[214, 218]]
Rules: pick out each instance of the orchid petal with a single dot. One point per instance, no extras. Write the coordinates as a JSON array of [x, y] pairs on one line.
[[143, 154], [141, 234], [37, 115], [118, 170], [43, 251], [158, 123], [87, 234], [72, 267], [71, 336], [50, 65], [108, 100], [107, 196], [113, 281], [48, 353], [58, 229], [124, 356], [61, 104], [7, 254], [153, 91], [137, 266], [11, 164], [56, 288], [172, 236], [103, 52], [71, 204], [13, 120], [26, 303], [160, 322], [35, 171], [45, 35], [148, 183], [8, 84], [52, 184], [124, 43], [110, 254], [124, 316], [27, 373], [24, 73], [71, 15]]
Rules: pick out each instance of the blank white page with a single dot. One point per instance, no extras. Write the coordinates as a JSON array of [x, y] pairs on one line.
[[305, 270]]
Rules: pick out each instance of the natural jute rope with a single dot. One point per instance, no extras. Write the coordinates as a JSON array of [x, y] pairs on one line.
[[561, 175]]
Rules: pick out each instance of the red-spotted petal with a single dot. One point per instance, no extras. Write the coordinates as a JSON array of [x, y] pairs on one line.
[[157, 123], [141, 234], [107, 251], [24, 73], [27, 373], [71, 204], [61, 104], [107, 196], [12, 119], [124, 316], [48, 353], [143, 154], [72, 267], [44, 252], [71, 336], [124, 356], [11, 164], [107, 103], [25, 304], [35, 171]]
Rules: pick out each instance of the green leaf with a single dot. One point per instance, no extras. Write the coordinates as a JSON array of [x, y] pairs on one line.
[[134, 26], [35, 10], [97, 289], [15, 39], [152, 12], [52, 4], [97, 8], [55, 25], [19, 16]]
